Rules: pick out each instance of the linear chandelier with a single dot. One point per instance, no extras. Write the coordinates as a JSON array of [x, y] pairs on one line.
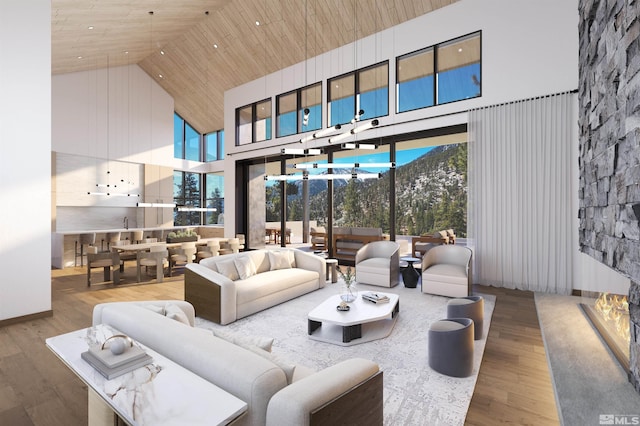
[[351, 145], [321, 133], [354, 131], [306, 176], [341, 165], [196, 209], [300, 151], [171, 205]]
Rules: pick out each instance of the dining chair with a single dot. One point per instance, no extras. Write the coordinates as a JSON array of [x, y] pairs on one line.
[[182, 255], [109, 261], [156, 257]]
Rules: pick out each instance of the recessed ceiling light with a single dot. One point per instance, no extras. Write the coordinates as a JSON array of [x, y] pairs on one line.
[[79, 57], [215, 45], [258, 23], [162, 52], [126, 52], [90, 27], [160, 75], [460, 50]]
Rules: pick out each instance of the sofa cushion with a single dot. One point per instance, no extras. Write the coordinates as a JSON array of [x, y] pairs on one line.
[[279, 260], [374, 265], [228, 269], [272, 282], [264, 343], [376, 232], [171, 310], [446, 273], [245, 267], [286, 366]]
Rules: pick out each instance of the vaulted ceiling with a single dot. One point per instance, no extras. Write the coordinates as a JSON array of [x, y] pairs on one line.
[[197, 49]]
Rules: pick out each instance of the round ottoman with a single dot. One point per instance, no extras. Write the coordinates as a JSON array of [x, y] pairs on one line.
[[451, 347], [468, 307]]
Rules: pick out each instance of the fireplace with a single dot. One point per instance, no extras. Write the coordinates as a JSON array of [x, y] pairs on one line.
[[609, 314]]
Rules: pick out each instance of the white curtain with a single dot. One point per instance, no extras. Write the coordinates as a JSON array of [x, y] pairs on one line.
[[521, 186]]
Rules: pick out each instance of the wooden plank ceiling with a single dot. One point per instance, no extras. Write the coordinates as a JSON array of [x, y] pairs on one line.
[[195, 72]]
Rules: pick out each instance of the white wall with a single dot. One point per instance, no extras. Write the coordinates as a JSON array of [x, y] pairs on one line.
[[139, 124], [25, 163], [529, 49], [115, 119]]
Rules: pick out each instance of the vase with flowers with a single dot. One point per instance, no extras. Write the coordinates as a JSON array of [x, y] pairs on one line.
[[349, 290]]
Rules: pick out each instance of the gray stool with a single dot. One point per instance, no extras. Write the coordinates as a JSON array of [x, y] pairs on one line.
[[451, 347], [468, 307]]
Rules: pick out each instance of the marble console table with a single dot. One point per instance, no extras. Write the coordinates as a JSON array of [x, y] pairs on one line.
[[161, 393]]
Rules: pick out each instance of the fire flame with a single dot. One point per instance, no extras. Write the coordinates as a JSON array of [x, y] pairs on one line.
[[615, 308]]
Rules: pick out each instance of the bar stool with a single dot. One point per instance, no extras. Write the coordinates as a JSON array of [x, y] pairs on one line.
[[137, 236], [83, 239], [111, 238]]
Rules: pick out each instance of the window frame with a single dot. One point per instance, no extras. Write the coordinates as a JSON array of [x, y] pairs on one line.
[[357, 92], [436, 71]]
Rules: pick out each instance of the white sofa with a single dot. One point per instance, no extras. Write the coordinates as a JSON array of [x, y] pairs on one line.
[[250, 373], [220, 293]]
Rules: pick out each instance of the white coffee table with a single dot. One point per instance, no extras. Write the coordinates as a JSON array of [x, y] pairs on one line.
[[363, 322]]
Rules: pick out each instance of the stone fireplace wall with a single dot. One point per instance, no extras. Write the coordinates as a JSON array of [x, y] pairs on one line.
[[609, 128]]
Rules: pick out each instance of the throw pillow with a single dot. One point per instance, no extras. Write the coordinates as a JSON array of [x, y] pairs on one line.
[[284, 365], [228, 269], [245, 267], [279, 260], [264, 343], [155, 308], [174, 312]]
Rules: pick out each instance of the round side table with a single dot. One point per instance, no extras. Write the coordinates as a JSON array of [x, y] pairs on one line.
[[409, 274], [332, 267]]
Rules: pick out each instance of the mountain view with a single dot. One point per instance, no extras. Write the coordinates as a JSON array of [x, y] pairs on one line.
[[431, 194]]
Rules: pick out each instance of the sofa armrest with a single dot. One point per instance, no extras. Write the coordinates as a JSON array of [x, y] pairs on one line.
[[349, 392], [312, 262], [212, 294]]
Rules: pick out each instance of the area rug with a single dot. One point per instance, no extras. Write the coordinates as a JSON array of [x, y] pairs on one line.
[[413, 393]]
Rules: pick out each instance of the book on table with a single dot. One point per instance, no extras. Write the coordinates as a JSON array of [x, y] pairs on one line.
[[111, 366], [375, 297]]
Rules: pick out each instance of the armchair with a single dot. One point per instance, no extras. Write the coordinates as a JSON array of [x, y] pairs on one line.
[[318, 238], [377, 263], [446, 271]]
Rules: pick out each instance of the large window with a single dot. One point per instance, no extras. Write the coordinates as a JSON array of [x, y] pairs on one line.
[[416, 81], [458, 73], [290, 110], [214, 198], [178, 136], [431, 185], [214, 146], [253, 122], [187, 142], [192, 144], [447, 72], [366, 89], [186, 192]]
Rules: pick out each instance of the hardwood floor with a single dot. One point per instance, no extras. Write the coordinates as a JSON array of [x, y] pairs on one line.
[[513, 385]]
